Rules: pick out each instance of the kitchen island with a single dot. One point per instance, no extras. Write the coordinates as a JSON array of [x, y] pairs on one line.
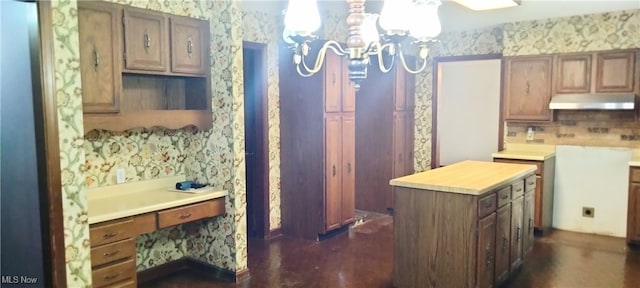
[[469, 224]]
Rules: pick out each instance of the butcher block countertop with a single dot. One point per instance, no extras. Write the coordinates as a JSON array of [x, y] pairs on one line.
[[466, 177], [526, 152], [129, 199]]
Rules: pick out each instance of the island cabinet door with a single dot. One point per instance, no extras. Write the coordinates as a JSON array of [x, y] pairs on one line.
[[486, 251], [503, 239], [516, 232], [527, 241]]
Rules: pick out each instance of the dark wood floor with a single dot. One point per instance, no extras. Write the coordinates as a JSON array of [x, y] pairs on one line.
[[362, 257]]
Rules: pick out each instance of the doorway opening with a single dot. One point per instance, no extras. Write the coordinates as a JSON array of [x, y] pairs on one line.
[[256, 138]]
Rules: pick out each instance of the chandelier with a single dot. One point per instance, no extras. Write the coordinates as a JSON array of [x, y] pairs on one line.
[[414, 23]]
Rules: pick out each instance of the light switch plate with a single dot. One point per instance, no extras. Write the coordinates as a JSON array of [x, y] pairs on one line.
[[120, 176]]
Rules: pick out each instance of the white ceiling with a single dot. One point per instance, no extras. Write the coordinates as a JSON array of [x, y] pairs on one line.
[[456, 17]]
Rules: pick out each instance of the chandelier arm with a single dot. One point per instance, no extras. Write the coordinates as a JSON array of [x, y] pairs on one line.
[[381, 65], [333, 45], [406, 67]]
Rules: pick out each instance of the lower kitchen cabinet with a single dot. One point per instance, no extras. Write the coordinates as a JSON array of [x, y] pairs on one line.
[[633, 212], [503, 236], [486, 250]]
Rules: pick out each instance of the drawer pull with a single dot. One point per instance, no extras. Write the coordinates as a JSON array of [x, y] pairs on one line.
[[111, 254], [488, 205], [109, 235], [504, 243], [185, 215], [504, 196], [519, 189], [111, 276], [531, 183]]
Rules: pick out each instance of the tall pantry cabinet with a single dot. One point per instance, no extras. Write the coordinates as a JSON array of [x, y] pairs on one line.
[[384, 135], [317, 116]]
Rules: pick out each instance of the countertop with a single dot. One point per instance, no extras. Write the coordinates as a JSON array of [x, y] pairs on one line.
[[129, 199], [635, 158], [526, 152], [466, 177]]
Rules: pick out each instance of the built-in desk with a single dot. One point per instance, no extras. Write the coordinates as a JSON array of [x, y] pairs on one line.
[[119, 213]]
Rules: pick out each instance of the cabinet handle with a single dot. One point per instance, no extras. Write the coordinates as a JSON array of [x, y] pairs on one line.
[[504, 243], [96, 59], [189, 46], [147, 41], [518, 233], [111, 254], [349, 167], [185, 215], [519, 189], [109, 235], [504, 196], [488, 205], [111, 276], [531, 183], [530, 224], [334, 170]]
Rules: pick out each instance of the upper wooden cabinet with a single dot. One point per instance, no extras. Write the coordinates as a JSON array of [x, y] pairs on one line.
[[527, 88], [600, 72], [340, 93], [100, 61], [145, 91], [146, 45], [189, 45]]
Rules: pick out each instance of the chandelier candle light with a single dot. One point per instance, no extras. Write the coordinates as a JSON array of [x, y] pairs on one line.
[[399, 19]]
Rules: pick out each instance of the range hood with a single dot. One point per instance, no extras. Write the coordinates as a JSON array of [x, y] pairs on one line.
[[614, 101]]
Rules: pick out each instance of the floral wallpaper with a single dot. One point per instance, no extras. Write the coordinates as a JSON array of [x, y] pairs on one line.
[[266, 28], [69, 106], [592, 32], [215, 156]]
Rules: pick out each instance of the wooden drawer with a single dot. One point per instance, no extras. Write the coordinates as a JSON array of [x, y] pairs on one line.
[[145, 223], [113, 252], [517, 189], [175, 216], [539, 164], [487, 205], [504, 196], [635, 174], [112, 231], [125, 271], [530, 183], [128, 284]]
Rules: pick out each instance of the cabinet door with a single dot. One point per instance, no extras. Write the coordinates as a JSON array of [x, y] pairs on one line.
[[573, 73], [528, 88], [145, 40], [516, 232], [333, 174], [615, 71], [348, 168], [633, 221], [332, 83], [527, 240], [539, 203], [99, 57], [503, 237], [348, 89], [189, 42], [400, 120], [400, 90], [486, 251]]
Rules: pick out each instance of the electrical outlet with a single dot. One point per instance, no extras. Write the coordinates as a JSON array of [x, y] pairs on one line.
[[588, 212], [530, 134], [120, 176]]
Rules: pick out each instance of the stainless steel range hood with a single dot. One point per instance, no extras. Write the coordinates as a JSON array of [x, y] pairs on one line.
[[614, 101]]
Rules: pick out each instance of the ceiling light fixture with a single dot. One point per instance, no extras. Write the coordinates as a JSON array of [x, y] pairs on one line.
[[399, 19], [480, 5]]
